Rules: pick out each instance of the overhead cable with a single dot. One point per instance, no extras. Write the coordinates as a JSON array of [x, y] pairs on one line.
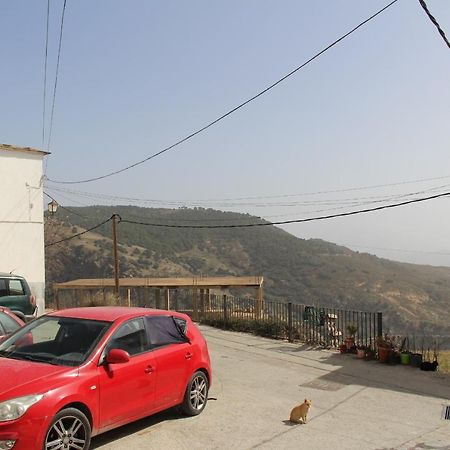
[[146, 200], [45, 75], [311, 219], [64, 207], [228, 113], [79, 234], [285, 222], [56, 76], [433, 19]]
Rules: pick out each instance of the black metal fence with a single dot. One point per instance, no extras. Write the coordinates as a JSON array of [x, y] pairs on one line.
[[283, 320], [292, 321]]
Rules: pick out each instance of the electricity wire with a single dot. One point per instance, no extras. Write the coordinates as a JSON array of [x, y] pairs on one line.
[[79, 234], [433, 19], [228, 113], [285, 222], [56, 76], [45, 75], [65, 208], [262, 223]]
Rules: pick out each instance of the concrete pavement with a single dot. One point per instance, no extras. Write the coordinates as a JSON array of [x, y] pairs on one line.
[[356, 404]]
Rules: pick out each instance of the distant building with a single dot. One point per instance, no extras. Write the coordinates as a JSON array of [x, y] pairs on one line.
[[22, 217]]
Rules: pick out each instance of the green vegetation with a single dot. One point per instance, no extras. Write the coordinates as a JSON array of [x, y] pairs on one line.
[[413, 299]]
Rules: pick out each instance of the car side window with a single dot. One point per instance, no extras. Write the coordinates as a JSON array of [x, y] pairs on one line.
[[8, 324], [131, 337], [163, 330], [16, 287], [3, 288]]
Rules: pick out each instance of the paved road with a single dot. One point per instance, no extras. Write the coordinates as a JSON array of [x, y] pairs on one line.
[[356, 404]]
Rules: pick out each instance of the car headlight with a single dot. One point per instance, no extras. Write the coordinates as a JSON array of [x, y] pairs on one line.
[[17, 407]]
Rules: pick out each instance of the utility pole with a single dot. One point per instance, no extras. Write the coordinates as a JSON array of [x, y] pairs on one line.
[[116, 259]]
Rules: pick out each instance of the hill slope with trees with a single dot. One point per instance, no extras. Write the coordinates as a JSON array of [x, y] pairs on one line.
[[412, 298]]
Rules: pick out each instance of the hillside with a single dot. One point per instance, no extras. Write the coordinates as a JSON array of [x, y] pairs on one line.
[[411, 297]]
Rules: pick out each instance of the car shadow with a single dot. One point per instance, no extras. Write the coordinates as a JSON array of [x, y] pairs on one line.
[[135, 427]]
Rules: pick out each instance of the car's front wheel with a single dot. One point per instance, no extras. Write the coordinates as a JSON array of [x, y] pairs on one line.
[[69, 430], [196, 394]]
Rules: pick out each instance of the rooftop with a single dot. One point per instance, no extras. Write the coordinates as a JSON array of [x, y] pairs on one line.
[[14, 148]]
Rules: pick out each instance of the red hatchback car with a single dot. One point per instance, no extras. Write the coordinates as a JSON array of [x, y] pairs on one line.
[[76, 373], [9, 323]]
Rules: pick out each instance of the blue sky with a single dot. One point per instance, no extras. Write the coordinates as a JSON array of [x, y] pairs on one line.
[[136, 76]]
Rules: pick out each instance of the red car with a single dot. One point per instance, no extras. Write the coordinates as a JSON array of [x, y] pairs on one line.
[[73, 374], [9, 323]]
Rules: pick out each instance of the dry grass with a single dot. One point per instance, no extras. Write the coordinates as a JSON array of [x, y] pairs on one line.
[[444, 361]]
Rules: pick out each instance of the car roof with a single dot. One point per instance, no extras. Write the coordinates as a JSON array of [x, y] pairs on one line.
[[7, 311], [9, 275], [111, 313]]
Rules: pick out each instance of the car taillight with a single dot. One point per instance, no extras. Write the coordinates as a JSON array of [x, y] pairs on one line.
[[33, 300]]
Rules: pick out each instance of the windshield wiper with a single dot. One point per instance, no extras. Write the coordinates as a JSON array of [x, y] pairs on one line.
[[27, 357]]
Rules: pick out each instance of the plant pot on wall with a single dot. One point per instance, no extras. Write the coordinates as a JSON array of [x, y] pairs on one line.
[[383, 354], [416, 359], [405, 358], [360, 353], [349, 342]]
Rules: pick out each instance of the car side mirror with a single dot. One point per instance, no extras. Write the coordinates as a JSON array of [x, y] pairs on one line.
[[117, 356]]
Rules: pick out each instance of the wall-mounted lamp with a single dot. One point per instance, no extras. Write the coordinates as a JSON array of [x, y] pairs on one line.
[[52, 207]]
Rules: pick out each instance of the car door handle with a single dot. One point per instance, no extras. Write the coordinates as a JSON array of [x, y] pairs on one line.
[[148, 369], [188, 355]]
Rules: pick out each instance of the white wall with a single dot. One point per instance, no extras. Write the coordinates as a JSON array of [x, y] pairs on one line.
[[22, 219]]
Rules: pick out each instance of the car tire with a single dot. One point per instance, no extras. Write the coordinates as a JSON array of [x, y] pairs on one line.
[[61, 435], [196, 394]]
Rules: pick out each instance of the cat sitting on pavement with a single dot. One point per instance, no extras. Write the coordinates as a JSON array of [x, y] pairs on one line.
[[299, 412]]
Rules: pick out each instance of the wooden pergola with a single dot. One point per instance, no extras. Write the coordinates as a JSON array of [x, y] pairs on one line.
[[200, 287]]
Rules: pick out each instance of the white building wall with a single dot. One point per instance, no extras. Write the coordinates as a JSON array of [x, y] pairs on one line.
[[22, 218]]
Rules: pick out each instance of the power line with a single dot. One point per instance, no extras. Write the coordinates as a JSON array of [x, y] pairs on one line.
[[67, 209], [198, 201], [433, 19], [45, 75], [285, 222], [56, 76], [311, 219], [79, 234], [241, 105], [425, 252]]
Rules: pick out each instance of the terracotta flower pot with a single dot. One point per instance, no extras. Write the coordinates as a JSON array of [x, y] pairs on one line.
[[383, 354], [360, 353], [349, 342]]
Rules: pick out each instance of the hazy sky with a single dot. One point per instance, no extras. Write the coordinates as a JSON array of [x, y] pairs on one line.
[[136, 76]]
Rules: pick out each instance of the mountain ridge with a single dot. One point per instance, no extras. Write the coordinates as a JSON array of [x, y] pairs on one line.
[[412, 297]]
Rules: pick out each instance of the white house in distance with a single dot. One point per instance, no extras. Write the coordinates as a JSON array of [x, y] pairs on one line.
[[22, 217]]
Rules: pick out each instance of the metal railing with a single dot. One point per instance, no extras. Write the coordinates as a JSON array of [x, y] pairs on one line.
[[291, 321], [282, 320]]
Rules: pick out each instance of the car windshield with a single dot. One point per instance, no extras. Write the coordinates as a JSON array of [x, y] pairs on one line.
[[64, 341]]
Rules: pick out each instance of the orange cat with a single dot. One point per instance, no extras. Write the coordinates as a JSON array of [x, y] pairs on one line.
[[299, 412]]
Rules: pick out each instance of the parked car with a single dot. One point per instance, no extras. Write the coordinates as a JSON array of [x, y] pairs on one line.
[[9, 323], [16, 295], [76, 373]]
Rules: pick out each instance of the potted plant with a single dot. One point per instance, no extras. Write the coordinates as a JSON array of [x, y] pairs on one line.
[[342, 348], [405, 354], [384, 348], [350, 338], [370, 354], [416, 357], [360, 351]]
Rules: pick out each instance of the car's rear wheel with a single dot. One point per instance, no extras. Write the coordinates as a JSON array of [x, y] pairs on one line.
[[69, 430], [196, 394]]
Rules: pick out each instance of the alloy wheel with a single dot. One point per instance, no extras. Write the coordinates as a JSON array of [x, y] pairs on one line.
[[68, 433], [198, 393]]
